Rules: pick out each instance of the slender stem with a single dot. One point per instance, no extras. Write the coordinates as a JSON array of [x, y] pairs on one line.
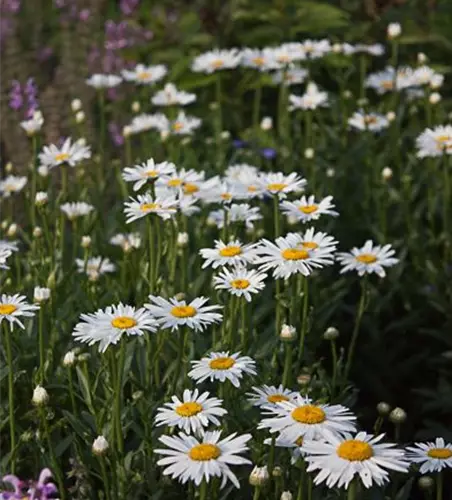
[[71, 391], [301, 484], [151, 254], [304, 319], [276, 214], [41, 344], [101, 96], [362, 76], [203, 490], [118, 396], [288, 364], [243, 325], [351, 491], [219, 121], [439, 486], [33, 181], [334, 357], [359, 315], [257, 106], [55, 466], [9, 361], [278, 307], [105, 478], [180, 357], [257, 493], [271, 456]]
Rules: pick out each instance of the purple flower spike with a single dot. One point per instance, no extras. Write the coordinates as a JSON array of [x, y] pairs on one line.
[[239, 144], [268, 153], [32, 490], [128, 6], [15, 96]]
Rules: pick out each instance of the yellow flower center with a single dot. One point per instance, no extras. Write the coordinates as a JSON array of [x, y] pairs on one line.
[[190, 188], [61, 157], [204, 452], [387, 84], [183, 311], [294, 254], [370, 120], [366, 258], [189, 409], [252, 189], [311, 245], [259, 61], [309, 414], [299, 441], [177, 126], [283, 58], [308, 209], [6, 309], [144, 75], [277, 398], [443, 453], [145, 207], [217, 63], [231, 251], [240, 284], [174, 182], [222, 363], [226, 196], [276, 186], [355, 450], [123, 322], [442, 142], [151, 173]]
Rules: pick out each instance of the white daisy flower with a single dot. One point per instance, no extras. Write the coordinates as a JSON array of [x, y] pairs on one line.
[[240, 282], [95, 266], [100, 81], [222, 366], [368, 121], [375, 49], [311, 99], [147, 171], [127, 241], [301, 417], [435, 142], [106, 327], [287, 54], [9, 245], [145, 75], [189, 180], [238, 170], [188, 205], [4, 254], [215, 190], [215, 60], [281, 184], [144, 122], [191, 414], [307, 209], [385, 81], [146, 204], [12, 307], [368, 259], [12, 184], [424, 75], [246, 181], [339, 459], [291, 255], [226, 254], [171, 96], [77, 209], [295, 447], [433, 456], [72, 154], [266, 396], [314, 49], [260, 59], [183, 124], [177, 313], [191, 459], [290, 76], [34, 124]]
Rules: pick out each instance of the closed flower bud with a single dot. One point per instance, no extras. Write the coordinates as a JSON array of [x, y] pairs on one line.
[[425, 482], [126, 131], [386, 173], [394, 30], [363, 101], [164, 134], [41, 198], [267, 123], [12, 230], [100, 446], [347, 94], [292, 220], [76, 105], [4, 224], [436, 81], [421, 58], [69, 359], [277, 471], [51, 280], [213, 106], [383, 408], [137, 395], [330, 172], [9, 168], [331, 333], [40, 396], [43, 171], [225, 134], [86, 241], [397, 416], [81, 141], [288, 333], [434, 98], [182, 239], [37, 232], [82, 358], [309, 153], [180, 296], [79, 117], [304, 379], [186, 141], [259, 476], [390, 116], [286, 495], [337, 48], [41, 294], [136, 106]]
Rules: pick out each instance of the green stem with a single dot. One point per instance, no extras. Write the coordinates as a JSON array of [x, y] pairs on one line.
[[118, 396], [362, 76], [359, 315], [101, 96], [334, 357], [151, 254], [271, 456], [439, 486], [301, 485], [257, 107], [9, 361], [304, 319], [180, 358], [257, 493], [41, 344], [243, 326], [288, 364], [219, 121], [276, 215], [71, 391], [55, 467], [203, 490], [351, 491], [105, 478], [33, 182]]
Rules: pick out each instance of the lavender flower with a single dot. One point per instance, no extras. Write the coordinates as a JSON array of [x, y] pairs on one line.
[[15, 96], [116, 135], [268, 153], [33, 490], [128, 6]]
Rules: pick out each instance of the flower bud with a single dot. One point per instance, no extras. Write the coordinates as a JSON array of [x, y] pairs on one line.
[[79, 117], [288, 333], [292, 220], [69, 359], [186, 141], [213, 106], [304, 379], [51, 280], [9, 168], [421, 58], [362, 102], [390, 116], [43, 170], [82, 358], [225, 134], [436, 81], [41, 294], [330, 172], [126, 131], [37, 232], [180, 296], [40, 396], [337, 48], [182, 239], [164, 134], [76, 105], [309, 153], [383, 408], [41, 198], [81, 141], [347, 94], [86, 241], [394, 30], [12, 230], [386, 173], [267, 123], [100, 446], [259, 476], [286, 495], [434, 98], [331, 333], [425, 482], [136, 107], [4, 225], [397, 416]]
